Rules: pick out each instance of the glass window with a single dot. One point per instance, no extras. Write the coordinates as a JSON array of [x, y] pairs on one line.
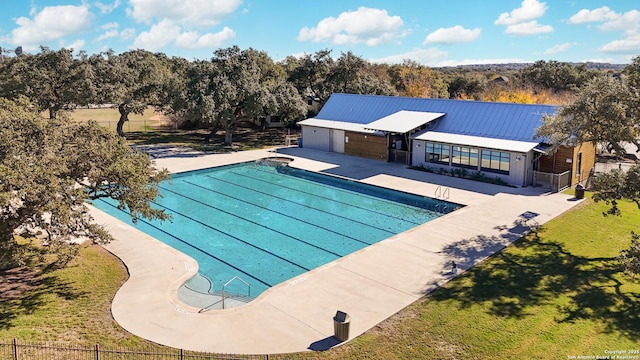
[[465, 157], [437, 153], [495, 161]]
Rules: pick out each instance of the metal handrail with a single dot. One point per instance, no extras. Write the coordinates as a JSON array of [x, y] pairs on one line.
[[442, 193], [232, 280]]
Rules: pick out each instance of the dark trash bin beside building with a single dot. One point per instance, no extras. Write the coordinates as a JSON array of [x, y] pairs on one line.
[[341, 323], [579, 191]]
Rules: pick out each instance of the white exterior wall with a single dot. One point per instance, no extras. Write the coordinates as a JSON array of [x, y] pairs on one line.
[[316, 138], [519, 165]]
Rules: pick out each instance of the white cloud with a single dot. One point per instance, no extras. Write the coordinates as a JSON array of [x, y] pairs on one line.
[[127, 34], [529, 10], [431, 57], [452, 35], [600, 60], [193, 40], [76, 45], [107, 8], [112, 32], [187, 13], [521, 21], [365, 25], [436, 58], [51, 23], [611, 20], [157, 37], [528, 28], [628, 21], [595, 15], [111, 25], [624, 46], [483, 61], [166, 32], [108, 35], [559, 48]]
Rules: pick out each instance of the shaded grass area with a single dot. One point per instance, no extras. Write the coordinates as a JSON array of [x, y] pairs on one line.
[[150, 129], [70, 305], [244, 138], [554, 293]]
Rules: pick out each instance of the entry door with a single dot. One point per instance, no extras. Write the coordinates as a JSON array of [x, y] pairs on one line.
[[337, 141]]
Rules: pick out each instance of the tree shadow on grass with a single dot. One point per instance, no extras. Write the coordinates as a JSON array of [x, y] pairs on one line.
[[24, 291], [536, 272], [244, 138]]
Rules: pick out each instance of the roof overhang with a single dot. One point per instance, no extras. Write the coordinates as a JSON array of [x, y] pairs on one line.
[[478, 141], [542, 148], [337, 125], [403, 121]]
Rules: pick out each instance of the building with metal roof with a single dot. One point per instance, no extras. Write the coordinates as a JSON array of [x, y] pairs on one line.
[[490, 138]]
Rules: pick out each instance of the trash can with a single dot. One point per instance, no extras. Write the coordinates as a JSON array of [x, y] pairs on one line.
[[299, 142], [579, 191], [341, 324]]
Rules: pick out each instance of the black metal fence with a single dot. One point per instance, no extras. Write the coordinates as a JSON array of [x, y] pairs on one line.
[[14, 350]]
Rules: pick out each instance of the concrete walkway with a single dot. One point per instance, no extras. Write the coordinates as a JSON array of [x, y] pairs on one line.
[[370, 285]]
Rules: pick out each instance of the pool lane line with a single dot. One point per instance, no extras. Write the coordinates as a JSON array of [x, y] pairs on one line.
[[249, 221], [234, 237], [337, 201], [190, 245], [413, 223], [424, 203], [391, 233]]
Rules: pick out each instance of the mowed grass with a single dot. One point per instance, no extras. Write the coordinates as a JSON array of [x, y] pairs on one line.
[[151, 131], [555, 293], [109, 117], [70, 305]]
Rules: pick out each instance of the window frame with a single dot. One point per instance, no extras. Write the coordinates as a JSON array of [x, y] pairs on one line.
[[437, 153], [461, 156], [496, 161]]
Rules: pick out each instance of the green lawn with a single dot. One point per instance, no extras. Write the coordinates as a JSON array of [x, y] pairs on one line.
[[108, 118], [557, 292], [148, 129]]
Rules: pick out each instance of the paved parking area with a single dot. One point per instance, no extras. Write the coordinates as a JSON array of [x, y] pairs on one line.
[[369, 285]]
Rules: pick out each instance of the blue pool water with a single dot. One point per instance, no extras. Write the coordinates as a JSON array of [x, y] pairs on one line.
[[267, 224]]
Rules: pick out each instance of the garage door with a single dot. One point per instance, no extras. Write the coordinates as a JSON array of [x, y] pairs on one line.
[[316, 138]]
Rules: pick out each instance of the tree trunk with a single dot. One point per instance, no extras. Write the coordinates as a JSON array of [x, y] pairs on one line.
[[212, 133], [228, 135], [124, 116]]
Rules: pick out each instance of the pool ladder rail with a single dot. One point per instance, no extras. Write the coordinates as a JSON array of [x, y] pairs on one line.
[[442, 193], [219, 297], [232, 280]]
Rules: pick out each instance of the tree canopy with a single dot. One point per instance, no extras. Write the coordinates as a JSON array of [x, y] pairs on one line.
[[605, 111], [601, 114], [237, 85], [50, 168]]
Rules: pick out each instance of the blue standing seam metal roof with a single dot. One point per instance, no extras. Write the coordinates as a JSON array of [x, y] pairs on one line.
[[506, 121]]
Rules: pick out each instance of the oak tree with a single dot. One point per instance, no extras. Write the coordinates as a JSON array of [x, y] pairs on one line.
[[50, 169]]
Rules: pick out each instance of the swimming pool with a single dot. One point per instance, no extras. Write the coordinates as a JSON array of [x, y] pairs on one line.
[[267, 224]]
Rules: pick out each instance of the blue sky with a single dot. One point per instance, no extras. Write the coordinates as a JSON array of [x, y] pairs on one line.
[[430, 32]]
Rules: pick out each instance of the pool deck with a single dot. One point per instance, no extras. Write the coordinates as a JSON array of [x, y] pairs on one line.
[[369, 285]]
